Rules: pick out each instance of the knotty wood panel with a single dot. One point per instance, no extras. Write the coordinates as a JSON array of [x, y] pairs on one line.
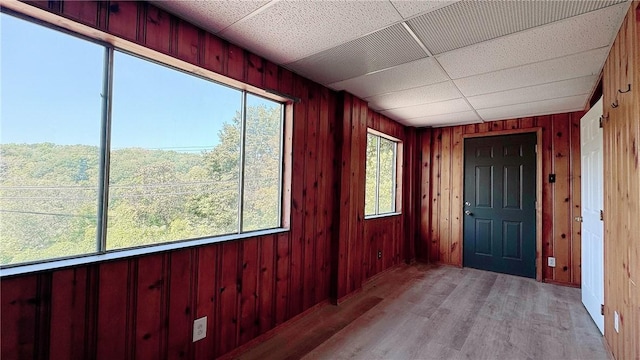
[[145, 306], [441, 229], [356, 248], [622, 189]]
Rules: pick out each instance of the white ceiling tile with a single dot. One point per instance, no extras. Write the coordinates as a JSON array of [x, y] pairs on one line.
[[379, 50], [465, 117], [419, 111], [577, 86], [588, 63], [211, 15], [470, 22], [546, 107], [291, 30], [416, 96], [589, 31], [409, 8], [413, 74]]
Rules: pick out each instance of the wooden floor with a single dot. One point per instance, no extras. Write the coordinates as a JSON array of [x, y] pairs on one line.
[[423, 312]]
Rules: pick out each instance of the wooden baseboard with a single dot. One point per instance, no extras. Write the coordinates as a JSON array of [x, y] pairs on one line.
[[549, 281]]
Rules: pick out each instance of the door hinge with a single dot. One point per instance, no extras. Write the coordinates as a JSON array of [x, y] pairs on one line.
[[601, 215], [601, 309], [600, 122], [536, 148], [578, 218]]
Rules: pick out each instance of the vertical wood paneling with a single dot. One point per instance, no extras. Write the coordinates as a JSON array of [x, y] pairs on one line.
[[68, 305], [266, 283], [188, 42], [230, 286], [249, 292], [310, 190], [561, 198], [436, 170], [457, 191], [576, 201], [297, 233], [283, 276], [445, 196], [442, 234], [150, 297], [622, 189], [178, 306], [424, 144], [115, 316], [19, 302], [206, 299], [123, 19], [547, 192]]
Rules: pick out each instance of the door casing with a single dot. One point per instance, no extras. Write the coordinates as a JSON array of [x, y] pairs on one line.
[[538, 132]]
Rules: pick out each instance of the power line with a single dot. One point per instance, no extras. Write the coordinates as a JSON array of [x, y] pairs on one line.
[[50, 214]]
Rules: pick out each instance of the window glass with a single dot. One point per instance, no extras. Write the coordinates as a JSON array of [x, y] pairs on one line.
[[262, 170], [387, 176], [380, 175], [175, 155], [371, 172], [49, 142]]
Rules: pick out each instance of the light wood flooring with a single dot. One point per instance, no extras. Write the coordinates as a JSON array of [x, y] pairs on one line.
[[425, 312]]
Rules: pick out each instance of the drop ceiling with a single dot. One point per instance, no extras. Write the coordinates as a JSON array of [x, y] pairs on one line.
[[430, 63]]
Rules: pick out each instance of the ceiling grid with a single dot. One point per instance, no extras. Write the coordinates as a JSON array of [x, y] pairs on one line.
[[430, 63]]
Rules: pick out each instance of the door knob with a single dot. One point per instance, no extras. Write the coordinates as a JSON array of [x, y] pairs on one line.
[[467, 212]]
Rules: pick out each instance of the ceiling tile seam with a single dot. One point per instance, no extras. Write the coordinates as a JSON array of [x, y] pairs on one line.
[[432, 115], [422, 103], [529, 86], [456, 124], [530, 114], [531, 102], [417, 39], [347, 41], [381, 70], [402, 20], [248, 16], [436, 8], [406, 89], [527, 64], [395, 8], [534, 28], [458, 90]]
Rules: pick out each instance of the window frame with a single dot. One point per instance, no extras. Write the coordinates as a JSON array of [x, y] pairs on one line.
[[397, 176], [111, 44]]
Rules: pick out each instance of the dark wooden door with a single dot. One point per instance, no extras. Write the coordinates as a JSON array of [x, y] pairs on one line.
[[499, 204]]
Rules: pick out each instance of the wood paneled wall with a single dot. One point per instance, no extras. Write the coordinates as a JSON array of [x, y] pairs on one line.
[[622, 189], [144, 307], [442, 191], [360, 239]]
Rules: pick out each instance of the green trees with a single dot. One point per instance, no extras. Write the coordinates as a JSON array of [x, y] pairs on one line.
[[49, 193], [380, 180]]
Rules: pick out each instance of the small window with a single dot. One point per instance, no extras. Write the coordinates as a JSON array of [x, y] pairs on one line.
[[381, 175]]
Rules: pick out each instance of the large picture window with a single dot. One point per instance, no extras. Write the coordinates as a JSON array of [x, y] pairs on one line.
[[102, 150], [381, 175]]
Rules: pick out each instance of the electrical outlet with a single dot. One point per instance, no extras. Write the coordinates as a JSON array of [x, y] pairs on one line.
[[616, 321], [551, 261], [379, 254], [200, 329]]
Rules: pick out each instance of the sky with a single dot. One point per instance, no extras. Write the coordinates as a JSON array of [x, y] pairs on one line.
[[50, 91]]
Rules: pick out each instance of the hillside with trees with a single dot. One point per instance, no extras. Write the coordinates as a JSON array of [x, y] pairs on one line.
[[49, 193]]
